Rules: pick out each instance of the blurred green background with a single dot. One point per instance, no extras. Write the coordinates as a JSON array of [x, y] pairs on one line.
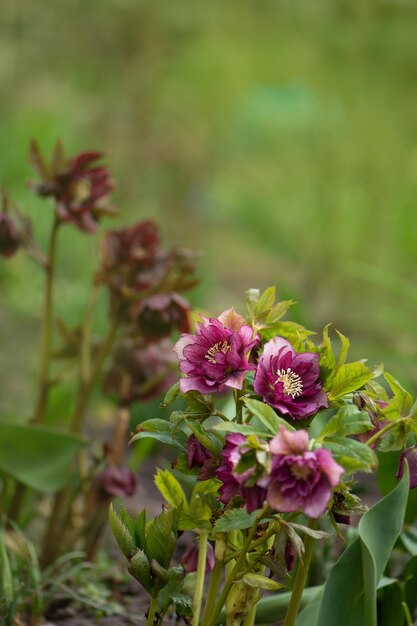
[[277, 137]]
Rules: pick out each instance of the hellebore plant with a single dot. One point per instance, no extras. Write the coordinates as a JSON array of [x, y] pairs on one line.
[[272, 431], [134, 360]]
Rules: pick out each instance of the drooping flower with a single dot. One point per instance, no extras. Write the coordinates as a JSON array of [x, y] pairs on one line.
[[300, 478], [189, 559], [117, 481], [216, 356], [197, 454], [140, 371], [289, 381], [81, 188], [233, 483], [159, 315], [409, 455], [9, 235]]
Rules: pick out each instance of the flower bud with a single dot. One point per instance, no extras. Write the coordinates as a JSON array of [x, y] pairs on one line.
[[409, 455], [189, 559], [117, 481], [159, 315], [9, 235], [197, 454]]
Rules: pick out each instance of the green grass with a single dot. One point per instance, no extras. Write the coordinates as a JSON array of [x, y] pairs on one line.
[[278, 137]]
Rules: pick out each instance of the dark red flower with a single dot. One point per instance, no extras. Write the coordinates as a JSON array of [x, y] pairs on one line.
[[159, 315], [9, 235], [197, 454], [117, 481], [141, 371], [409, 455], [189, 559], [81, 188]]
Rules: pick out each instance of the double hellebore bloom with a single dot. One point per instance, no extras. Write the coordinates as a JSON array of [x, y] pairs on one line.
[[234, 483], [289, 381], [300, 478], [216, 356]]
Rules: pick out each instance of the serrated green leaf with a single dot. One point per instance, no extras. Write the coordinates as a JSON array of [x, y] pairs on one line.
[[352, 455], [349, 420], [200, 502], [327, 358], [348, 378], [345, 345], [140, 569], [235, 519], [395, 438], [171, 489], [266, 415], [203, 437], [401, 402], [139, 526], [121, 533], [189, 522], [261, 582], [183, 605], [161, 538]]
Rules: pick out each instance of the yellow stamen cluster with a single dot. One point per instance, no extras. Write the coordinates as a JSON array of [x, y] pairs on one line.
[[292, 382], [221, 346]]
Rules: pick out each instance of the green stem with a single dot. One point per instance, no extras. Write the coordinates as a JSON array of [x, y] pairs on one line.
[[46, 334], [250, 616], [236, 571], [199, 581], [300, 578], [381, 432], [215, 579], [151, 612]]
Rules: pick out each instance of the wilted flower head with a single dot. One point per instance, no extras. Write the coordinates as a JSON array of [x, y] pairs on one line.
[[140, 371], [159, 315], [189, 559], [300, 478], [197, 454], [289, 381], [233, 483], [409, 455], [117, 481], [9, 235], [81, 188], [216, 356]]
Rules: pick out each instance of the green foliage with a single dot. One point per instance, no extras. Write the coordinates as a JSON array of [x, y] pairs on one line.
[[162, 431], [261, 582], [37, 456], [351, 454], [349, 420], [401, 402], [266, 415], [171, 489], [7, 596], [350, 592], [348, 378], [235, 519]]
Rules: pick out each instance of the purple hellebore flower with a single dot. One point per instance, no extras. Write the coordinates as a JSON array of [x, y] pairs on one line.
[[234, 483], [189, 559], [216, 356], [197, 454], [289, 381], [409, 455], [117, 481], [300, 478]]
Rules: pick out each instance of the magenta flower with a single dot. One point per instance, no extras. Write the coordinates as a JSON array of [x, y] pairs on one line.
[[409, 455], [117, 481], [216, 356], [300, 478], [234, 483], [289, 381]]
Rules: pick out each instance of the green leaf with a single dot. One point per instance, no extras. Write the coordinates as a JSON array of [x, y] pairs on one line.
[[37, 456], [243, 429], [351, 454], [161, 538], [200, 507], [261, 582], [171, 489], [7, 596], [235, 519], [202, 436], [343, 350], [266, 415], [395, 438], [349, 420], [139, 526], [189, 522], [327, 358], [170, 395], [162, 431], [121, 533], [401, 402], [348, 378], [349, 597], [140, 569]]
